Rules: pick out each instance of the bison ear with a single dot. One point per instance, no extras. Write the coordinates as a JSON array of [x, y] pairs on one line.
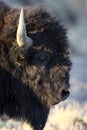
[[22, 38]]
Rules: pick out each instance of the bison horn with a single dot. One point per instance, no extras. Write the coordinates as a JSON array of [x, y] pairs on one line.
[[22, 38]]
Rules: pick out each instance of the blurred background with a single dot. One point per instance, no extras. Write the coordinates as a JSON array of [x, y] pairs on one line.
[[72, 113]]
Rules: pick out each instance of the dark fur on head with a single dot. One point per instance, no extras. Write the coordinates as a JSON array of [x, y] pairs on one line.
[[33, 79]]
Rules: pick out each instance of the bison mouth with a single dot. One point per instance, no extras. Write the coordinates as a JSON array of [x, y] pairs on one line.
[[65, 94]]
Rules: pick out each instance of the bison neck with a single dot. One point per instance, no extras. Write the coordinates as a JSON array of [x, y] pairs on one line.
[[18, 101]]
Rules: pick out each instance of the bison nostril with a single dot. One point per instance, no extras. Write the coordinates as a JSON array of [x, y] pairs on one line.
[[65, 94]]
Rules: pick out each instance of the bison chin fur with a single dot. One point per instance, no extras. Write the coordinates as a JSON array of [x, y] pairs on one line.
[[34, 78]]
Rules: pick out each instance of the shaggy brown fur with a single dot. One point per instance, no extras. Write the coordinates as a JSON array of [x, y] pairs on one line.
[[36, 78]]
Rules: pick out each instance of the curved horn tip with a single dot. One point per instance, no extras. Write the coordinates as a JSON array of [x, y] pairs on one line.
[[22, 12], [22, 38]]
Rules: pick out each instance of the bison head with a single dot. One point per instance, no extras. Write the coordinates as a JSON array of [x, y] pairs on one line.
[[38, 53]]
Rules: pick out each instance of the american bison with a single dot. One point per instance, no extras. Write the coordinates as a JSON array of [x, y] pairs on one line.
[[34, 63]]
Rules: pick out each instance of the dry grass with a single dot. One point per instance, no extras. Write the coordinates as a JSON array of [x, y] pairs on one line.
[[62, 117]]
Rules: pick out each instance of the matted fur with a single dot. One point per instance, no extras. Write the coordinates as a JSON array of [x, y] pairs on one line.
[[32, 80]]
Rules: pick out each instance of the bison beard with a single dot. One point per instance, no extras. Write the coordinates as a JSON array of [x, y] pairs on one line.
[[34, 75]]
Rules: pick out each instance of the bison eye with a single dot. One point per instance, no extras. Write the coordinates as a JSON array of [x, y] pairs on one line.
[[42, 57]]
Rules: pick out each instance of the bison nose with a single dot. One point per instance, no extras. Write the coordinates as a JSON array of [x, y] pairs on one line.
[[65, 93]]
